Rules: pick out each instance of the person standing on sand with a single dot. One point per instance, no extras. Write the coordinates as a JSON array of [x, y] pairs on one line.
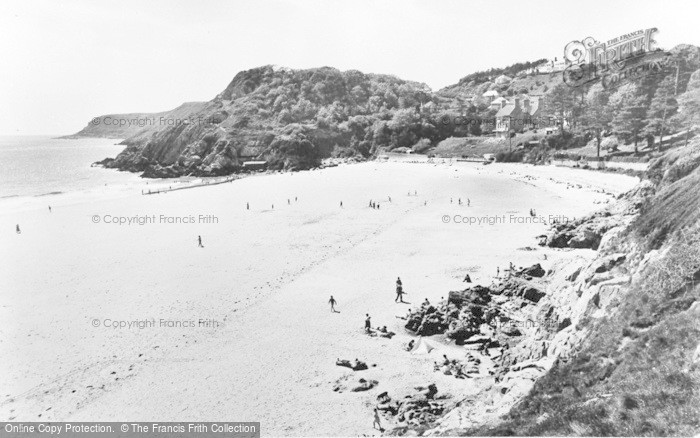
[[18, 230], [399, 293], [469, 202], [49, 209], [389, 198], [247, 206], [341, 204], [332, 302], [377, 421], [498, 271], [199, 241], [368, 324]]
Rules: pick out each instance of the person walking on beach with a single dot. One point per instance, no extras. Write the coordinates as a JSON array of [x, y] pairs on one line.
[[469, 202], [332, 302], [199, 241], [368, 324], [377, 421], [460, 201], [18, 230]]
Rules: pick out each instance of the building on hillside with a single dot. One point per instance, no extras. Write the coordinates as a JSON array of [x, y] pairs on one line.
[[491, 95], [520, 114], [498, 103]]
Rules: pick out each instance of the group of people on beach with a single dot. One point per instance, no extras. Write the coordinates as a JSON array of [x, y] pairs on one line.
[[459, 201]]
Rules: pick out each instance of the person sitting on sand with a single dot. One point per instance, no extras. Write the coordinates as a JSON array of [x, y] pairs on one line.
[[467, 279], [359, 365], [410, 345], [343, 363]]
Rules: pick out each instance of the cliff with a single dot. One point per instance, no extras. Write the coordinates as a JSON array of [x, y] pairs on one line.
[[121, 126], [611, 347]]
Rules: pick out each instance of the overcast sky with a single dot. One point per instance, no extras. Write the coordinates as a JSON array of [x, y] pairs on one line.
[[64, 62]]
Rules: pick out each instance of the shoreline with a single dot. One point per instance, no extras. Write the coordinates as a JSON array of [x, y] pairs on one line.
[[274, 315]]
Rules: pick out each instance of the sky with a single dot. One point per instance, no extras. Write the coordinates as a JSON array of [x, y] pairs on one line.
[[64, 62]]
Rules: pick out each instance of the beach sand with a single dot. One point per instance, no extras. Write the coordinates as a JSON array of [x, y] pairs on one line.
[[266, 276]]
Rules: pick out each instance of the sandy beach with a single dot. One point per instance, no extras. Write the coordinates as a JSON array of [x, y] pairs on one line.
[[264, 342]]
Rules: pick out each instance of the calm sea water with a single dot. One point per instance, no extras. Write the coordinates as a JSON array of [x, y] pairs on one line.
[[39, 165]]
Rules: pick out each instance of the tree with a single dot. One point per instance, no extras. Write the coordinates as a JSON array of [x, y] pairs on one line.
[[689, 106], [663, 106], [630, 112], [560, 103], [597, 114]]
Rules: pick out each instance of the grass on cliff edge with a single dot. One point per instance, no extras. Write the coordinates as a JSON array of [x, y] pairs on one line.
[[638, 373]]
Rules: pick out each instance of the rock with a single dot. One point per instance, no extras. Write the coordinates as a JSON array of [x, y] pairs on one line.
[[607, 263], [533, 294], [534, 271]]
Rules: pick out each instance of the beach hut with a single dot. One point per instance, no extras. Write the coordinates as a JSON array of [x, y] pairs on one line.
[[254, 165]]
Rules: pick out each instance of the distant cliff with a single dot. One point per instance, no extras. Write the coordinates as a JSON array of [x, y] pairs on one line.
[[121, 126]]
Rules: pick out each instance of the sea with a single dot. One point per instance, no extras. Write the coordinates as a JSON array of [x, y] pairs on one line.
[[44, 166], [36, 168]]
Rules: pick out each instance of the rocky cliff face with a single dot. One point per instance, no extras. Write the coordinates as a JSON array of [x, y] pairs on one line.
[[290, 118], [611, 347]]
